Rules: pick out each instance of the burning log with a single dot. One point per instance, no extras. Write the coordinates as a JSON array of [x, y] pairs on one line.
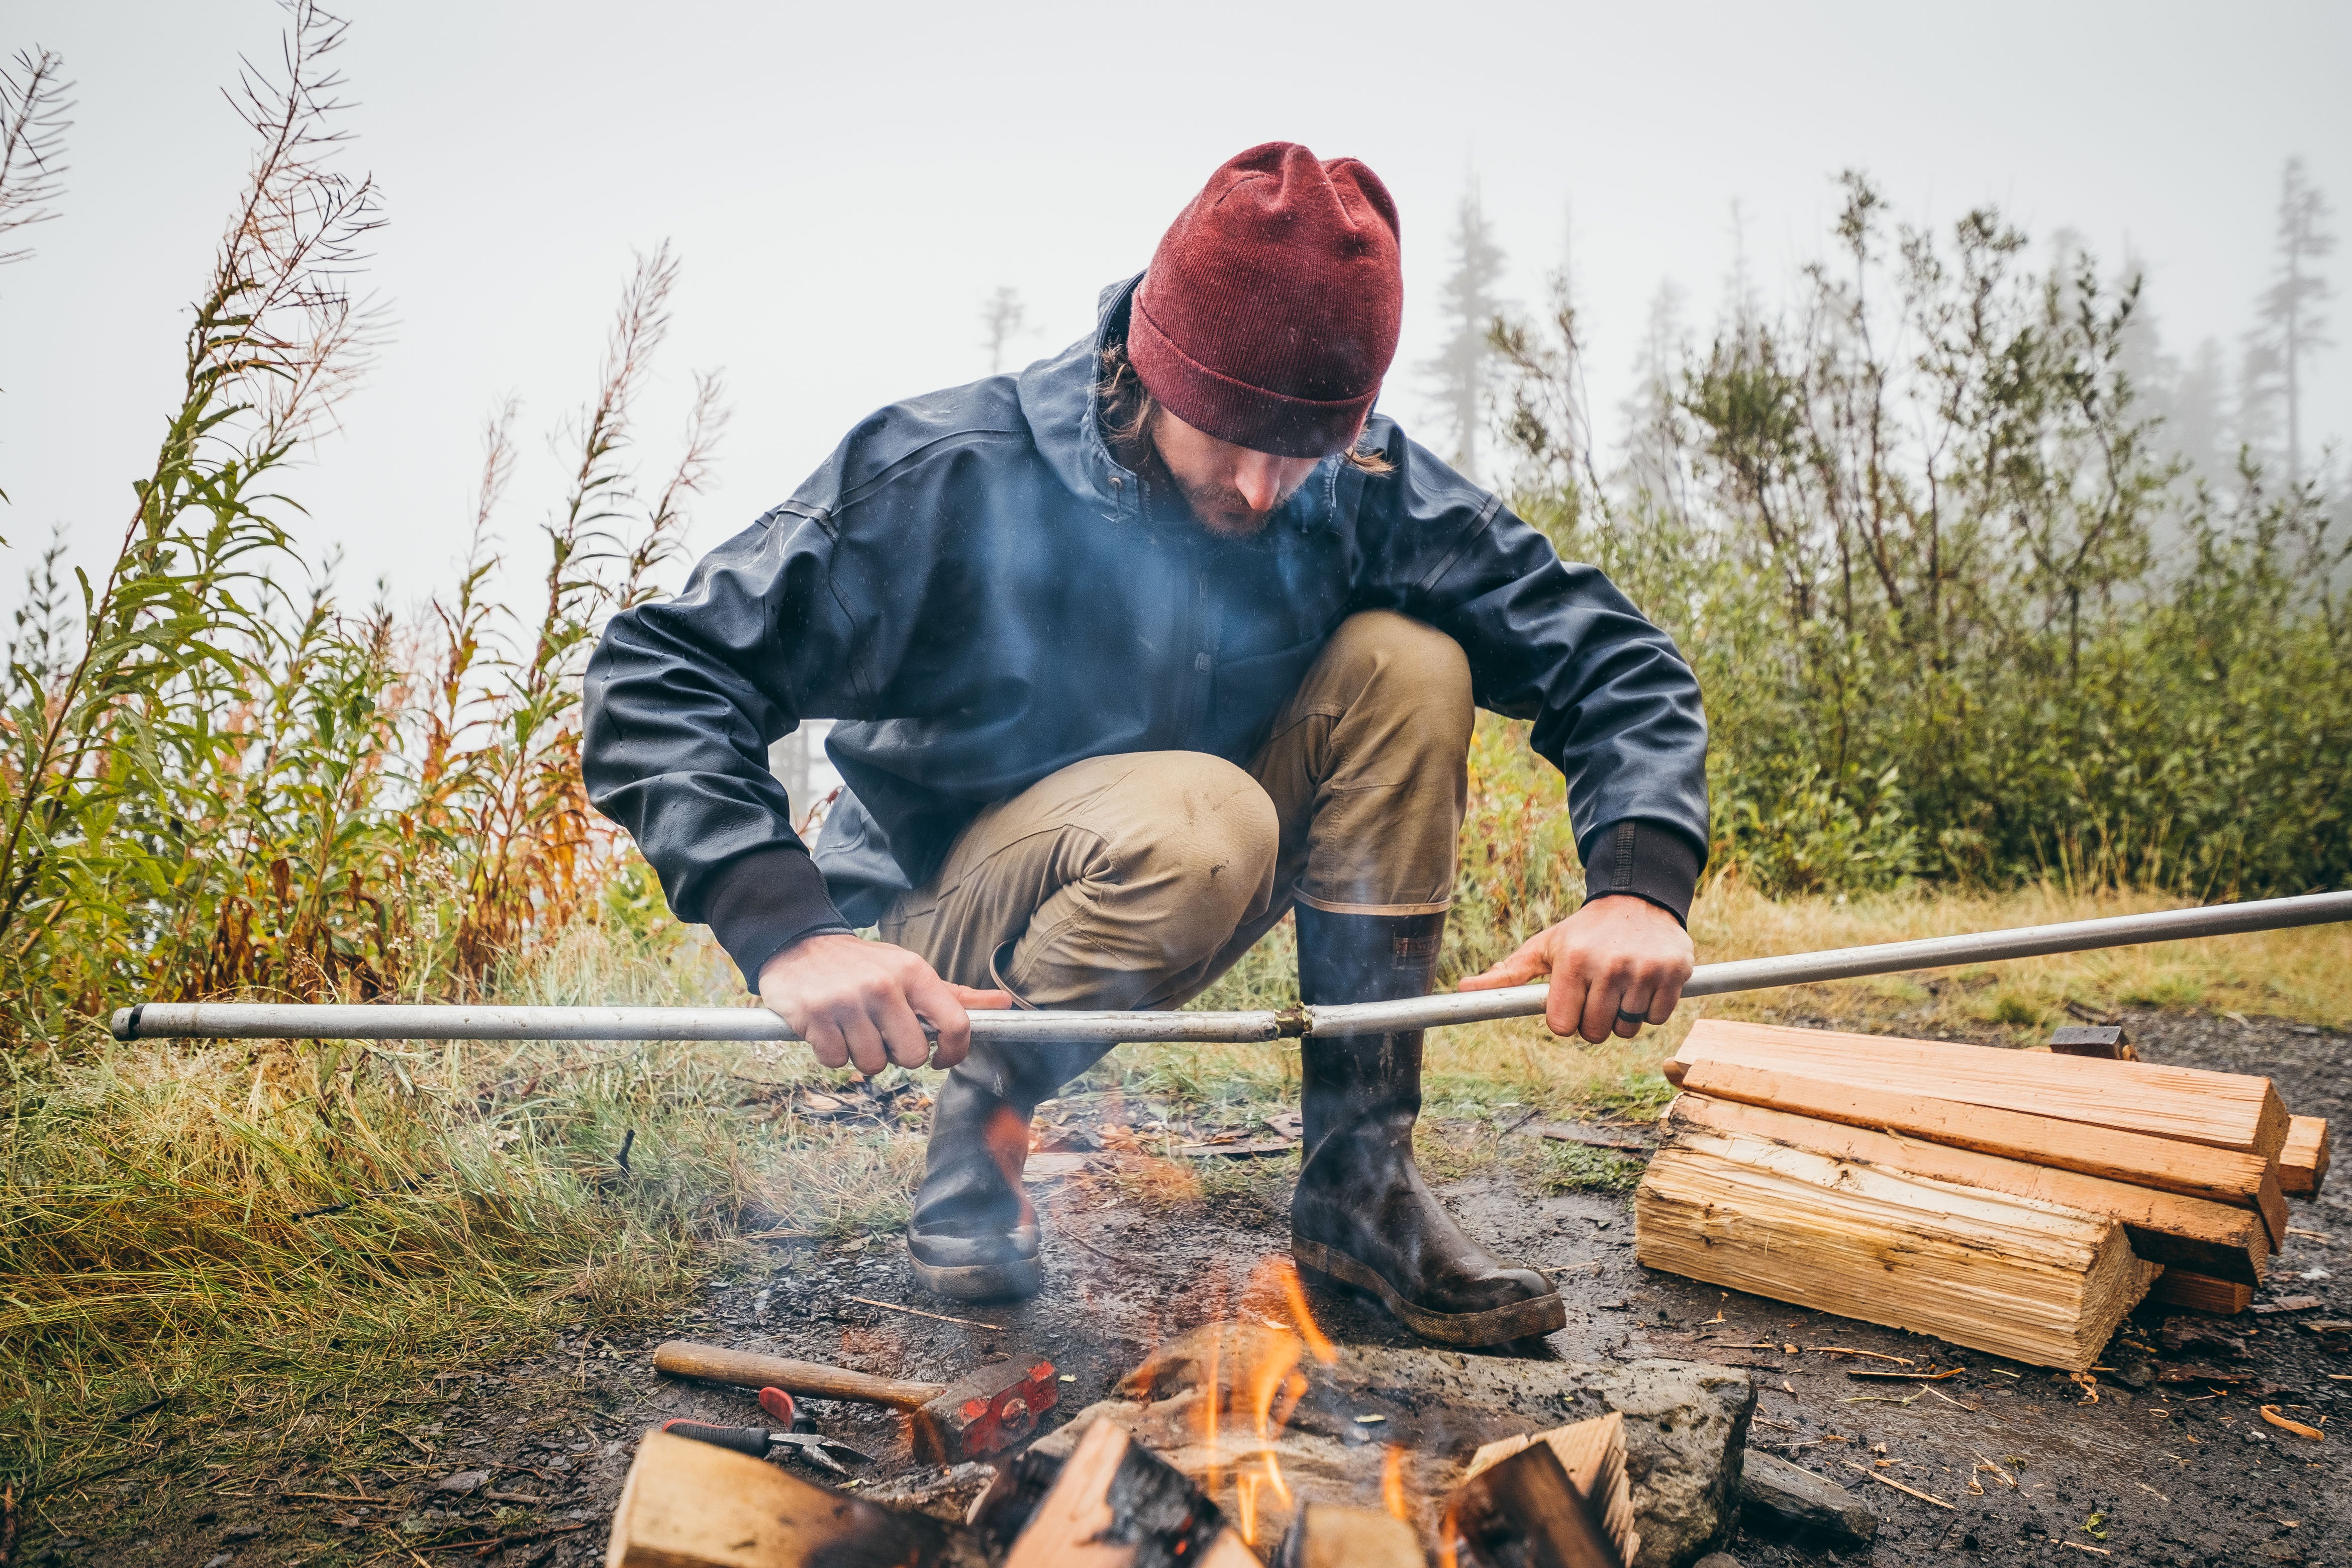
[[1525, 1513], [1112, 1504], [1268, 1428], [1263, 1435], [1233, 1407], [1593, 1453], [1223, 1405]]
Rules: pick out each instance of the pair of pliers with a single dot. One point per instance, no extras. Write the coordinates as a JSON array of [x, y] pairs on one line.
[[800, 1435], [759, 1442]]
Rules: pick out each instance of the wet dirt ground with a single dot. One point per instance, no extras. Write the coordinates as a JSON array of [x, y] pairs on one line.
[[2165, 1466]]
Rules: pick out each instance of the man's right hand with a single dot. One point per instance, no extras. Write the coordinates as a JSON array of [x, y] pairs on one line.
[[867, 1002]]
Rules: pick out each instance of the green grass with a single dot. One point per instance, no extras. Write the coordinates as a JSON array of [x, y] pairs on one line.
[[2010, 1007], [2166, 991]]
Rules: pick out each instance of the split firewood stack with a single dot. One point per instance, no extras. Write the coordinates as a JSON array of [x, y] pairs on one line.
[[2015, 1202], [1548, 1500], [1237, 1443]]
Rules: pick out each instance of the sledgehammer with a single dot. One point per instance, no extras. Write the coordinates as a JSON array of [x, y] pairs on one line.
[[982, 1413]]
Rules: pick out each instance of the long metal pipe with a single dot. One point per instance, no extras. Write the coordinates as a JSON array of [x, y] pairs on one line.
[[1851, 963], [378, 1021], [374, 1021]]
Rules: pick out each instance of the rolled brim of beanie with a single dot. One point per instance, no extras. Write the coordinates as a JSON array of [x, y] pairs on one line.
[[1233, 410]]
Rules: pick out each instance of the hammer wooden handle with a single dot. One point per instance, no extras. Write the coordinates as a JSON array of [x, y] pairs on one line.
[[683, 1358]]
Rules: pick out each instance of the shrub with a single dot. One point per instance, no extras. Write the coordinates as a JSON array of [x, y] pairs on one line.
[[1905, 535]]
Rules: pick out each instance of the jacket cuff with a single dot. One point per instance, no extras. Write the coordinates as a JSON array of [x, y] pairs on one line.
[[1643, 859], [765, 903]]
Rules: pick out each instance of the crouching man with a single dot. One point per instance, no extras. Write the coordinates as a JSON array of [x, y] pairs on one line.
[[1137, 651]]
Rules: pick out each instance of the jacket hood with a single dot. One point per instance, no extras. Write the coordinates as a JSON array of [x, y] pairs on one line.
[[1057, 399]]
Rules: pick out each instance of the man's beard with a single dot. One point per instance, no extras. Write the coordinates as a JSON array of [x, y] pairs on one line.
[[1223, 511]]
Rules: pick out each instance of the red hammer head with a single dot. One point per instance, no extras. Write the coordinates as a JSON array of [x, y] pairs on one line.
[[984, 1412]]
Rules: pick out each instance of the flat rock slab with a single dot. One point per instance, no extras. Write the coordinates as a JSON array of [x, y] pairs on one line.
[[1686, 1428], [1787, 1500], [1685, 1423]]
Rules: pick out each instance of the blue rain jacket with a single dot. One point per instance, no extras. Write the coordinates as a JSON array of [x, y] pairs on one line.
[[984, 594]]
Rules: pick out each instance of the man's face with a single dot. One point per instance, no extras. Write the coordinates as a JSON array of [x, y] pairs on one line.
[[1231, 489]]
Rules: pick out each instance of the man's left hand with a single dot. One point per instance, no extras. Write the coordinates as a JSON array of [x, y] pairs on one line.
[[1615, 964]]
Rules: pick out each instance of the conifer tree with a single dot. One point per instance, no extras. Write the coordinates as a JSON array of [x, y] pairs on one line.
[[2290, 326], [1460, 370]]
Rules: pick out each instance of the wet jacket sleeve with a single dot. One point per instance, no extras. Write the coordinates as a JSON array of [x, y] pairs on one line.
[[1613, 704], [683, 698]]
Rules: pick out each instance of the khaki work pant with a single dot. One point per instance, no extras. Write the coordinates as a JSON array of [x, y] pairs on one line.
[[1134, 881]]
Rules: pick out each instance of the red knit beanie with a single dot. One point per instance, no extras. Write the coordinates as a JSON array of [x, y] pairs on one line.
[[1271, 309]]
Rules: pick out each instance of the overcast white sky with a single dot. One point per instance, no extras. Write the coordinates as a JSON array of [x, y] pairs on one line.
[[846, 183]]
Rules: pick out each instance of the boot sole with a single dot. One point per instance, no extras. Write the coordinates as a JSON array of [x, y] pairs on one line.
[[1535, 1316], [981, 1281]]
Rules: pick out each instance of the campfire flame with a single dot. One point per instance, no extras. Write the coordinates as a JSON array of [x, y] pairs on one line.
[[1276, 1375], [1231, 1385], [1210, 1412], [1293, 1293], [1267, 1388], [1270, 1377]]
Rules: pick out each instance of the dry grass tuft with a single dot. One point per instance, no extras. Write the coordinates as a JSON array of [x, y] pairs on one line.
[[2301, 974], [249, 1235]]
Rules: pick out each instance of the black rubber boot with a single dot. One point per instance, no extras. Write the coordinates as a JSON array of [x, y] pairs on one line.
[[974, 1234], [1362, 1216]]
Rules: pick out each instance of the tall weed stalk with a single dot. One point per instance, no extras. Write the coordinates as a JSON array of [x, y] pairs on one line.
[[111, 748], [218, 779]]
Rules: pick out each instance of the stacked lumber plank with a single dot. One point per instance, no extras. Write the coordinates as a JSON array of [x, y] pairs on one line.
[[2015, 1202], [2303, 1164]]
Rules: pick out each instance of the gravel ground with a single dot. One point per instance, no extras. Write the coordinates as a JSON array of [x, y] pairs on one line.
[[2162, 1468]]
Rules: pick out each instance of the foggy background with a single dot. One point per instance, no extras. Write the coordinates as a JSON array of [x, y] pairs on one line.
[[848, 185]]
